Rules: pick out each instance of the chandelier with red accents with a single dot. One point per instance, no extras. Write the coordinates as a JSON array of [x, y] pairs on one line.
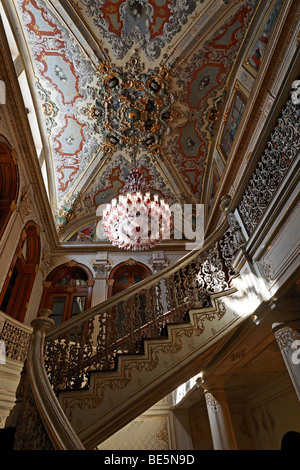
[[135, 221]]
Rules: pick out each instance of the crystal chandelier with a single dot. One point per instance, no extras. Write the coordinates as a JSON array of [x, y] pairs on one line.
[[134, 221]]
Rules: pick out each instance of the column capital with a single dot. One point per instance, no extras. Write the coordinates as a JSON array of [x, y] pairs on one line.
[[213, 382]]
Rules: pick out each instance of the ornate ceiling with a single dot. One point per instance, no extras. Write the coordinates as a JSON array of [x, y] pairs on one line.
[[103, 68]]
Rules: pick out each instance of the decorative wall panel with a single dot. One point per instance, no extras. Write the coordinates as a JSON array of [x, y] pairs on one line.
[[143, 433]]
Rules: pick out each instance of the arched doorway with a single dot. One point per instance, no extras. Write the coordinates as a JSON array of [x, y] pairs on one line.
[[121, 277], [18, 285], [9, 183], [67, 291]]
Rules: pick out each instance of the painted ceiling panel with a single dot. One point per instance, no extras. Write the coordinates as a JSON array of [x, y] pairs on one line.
[[80, 102], [150, 23], [202, 81], [64, 73]]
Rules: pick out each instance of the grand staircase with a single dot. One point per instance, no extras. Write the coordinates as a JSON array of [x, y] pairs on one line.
[[88, 377]]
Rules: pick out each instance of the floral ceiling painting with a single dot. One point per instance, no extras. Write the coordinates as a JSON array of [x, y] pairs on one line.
[[108, 72], [150, 23]]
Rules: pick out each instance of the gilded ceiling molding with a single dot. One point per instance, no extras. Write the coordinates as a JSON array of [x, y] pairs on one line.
[[133, 106]]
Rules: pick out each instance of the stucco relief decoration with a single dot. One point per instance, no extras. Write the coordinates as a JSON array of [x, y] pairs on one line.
[[133, 105], [149, 23], [25, 207], [281, 150], [285, 338]]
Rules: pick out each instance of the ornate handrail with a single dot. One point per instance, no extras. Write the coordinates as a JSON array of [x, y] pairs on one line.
[[145, 284], [16, 337], [41, 375], [281, 150], [94, 339], [58, 428]]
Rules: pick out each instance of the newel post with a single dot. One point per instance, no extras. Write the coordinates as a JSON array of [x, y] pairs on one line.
[[42, 323], [57, 425]]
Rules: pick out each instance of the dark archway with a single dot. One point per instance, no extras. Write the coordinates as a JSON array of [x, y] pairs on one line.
[[9, 183], [18, 285], [123, 276], [67, 291]]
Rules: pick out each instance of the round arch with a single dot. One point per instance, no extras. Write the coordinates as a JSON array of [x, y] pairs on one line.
[[67, 291], [122, 276], [126, 274], [18, 285], [9, 183]]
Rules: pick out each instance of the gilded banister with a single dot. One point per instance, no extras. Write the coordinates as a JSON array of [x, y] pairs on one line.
[[141, 312], [63, 356], [56, 424], [136, 288]]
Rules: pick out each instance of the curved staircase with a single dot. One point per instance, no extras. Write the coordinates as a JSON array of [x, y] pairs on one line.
[[88, 377]]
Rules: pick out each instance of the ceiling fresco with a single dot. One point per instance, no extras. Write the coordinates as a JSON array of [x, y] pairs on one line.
[[122, 24], [104, 69]]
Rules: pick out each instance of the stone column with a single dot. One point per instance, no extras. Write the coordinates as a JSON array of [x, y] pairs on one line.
[[287, 335], [285, 322], [218, 414], [101, 268]]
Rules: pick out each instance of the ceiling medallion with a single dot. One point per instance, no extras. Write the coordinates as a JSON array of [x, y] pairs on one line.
[[133, 98]]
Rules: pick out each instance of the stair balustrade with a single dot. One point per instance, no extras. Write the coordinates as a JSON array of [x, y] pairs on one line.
[[63, 357]]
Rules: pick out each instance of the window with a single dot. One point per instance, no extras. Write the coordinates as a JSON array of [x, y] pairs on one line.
[[17, 288], [232, 122], [9, 34], [124, 276], [9, 184], [67, 292]]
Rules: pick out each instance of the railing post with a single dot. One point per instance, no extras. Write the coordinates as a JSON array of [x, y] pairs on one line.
[[58, 428], [42, 323]]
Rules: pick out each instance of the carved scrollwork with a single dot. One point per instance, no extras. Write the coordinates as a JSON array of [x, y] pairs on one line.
[[211, 275], [281, 150], [71, 357], [16, 341], [211, 403], [228, 248], [285, 338]]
